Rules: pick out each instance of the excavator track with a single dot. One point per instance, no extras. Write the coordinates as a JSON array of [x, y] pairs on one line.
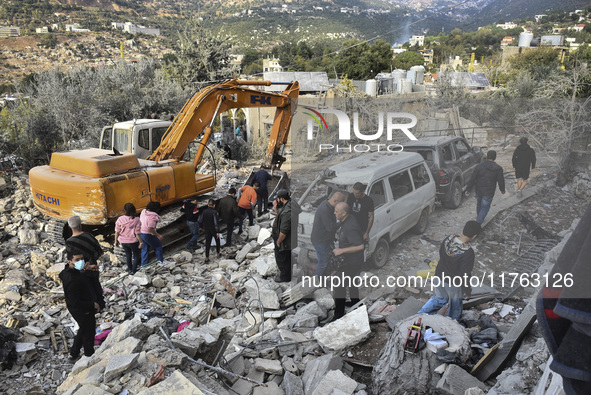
[[55, 230]]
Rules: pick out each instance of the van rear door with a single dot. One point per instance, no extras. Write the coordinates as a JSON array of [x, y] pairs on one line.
[[405, 208]]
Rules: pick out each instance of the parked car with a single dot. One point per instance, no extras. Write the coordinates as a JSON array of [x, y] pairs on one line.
[[451, 161], [402, 189]]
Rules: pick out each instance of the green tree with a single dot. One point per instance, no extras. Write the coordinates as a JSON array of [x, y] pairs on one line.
[[539, 62], [48, 41], [406, 60], [201, 57]]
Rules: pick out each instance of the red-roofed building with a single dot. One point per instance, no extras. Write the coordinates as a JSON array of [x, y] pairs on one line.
[[507, 40], [579, 27]]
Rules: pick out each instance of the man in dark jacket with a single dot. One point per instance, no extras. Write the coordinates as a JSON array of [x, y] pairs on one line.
[[485, 178], [285, 233], [228, 211], [83, 241], [82, 301], [191, 212], [323, 230], [262, 193], [350, 249], [456, 259], [523, 157], [210, 224]]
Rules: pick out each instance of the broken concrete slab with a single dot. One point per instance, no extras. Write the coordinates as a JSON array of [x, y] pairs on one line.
[[271, 389], [54, 271], [265, 266], [292, 384], [241, 255], [335, 380], [408, 308], [244, 387], [139, 278], [11, 288], [175, 384], [253, 232], [271, 366], [94, 376], [119, 365], [456, 380], [89, 389], [313, 308], [25, 352], [264, 234], [317, 369], [344, 332]]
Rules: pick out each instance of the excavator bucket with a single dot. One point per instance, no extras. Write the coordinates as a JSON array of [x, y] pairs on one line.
[[279, 181]]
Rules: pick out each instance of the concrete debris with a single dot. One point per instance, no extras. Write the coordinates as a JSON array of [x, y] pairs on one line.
[[398, 372], [335, 380], [227, 313], [344, 332], [456, 380], [175, 384]]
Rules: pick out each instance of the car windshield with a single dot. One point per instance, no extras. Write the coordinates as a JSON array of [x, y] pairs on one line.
[[322, 191], [426, 153]]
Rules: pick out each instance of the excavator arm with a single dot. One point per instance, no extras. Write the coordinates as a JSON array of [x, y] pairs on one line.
[[197, 116]]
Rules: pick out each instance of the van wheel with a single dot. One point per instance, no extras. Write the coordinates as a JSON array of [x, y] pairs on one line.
[[455, 196], [381, 253], [421, 225]]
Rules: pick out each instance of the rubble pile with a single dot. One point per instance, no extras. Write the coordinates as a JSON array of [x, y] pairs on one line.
[[225, 326], [174, 324]]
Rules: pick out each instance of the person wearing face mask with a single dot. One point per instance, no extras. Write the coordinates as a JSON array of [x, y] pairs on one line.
[[82, 301]]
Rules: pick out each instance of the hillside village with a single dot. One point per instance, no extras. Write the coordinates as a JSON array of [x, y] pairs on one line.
[[229, 324]]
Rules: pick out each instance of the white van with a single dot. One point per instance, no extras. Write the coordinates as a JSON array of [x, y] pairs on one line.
[[402, 189]]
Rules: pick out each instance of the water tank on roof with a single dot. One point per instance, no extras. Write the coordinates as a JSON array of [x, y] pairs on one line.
[[387, 85], [371, 87], [398, 75], [419, 74], [412, 75], [525, 39], [405, 86]]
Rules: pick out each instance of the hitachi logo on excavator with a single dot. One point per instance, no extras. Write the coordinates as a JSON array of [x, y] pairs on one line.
[[260, 99], [47, 199]]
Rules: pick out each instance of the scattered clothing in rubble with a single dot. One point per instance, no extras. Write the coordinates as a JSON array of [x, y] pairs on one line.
[[564, 311]]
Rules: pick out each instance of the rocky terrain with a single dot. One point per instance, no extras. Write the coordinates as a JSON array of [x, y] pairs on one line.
[[21, 56]]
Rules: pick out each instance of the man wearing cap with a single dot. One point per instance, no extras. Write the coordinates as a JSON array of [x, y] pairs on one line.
[[485, 178], [83, 241], [284, 233]]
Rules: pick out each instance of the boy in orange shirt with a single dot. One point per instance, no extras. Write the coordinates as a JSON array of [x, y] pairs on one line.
[[247, 201]]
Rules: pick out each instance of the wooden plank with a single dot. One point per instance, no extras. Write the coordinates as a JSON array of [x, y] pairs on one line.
[[407, 309], [509, 344], [484, 360]]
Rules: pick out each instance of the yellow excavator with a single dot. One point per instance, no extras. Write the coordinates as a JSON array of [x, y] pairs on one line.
[[96, 183]]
